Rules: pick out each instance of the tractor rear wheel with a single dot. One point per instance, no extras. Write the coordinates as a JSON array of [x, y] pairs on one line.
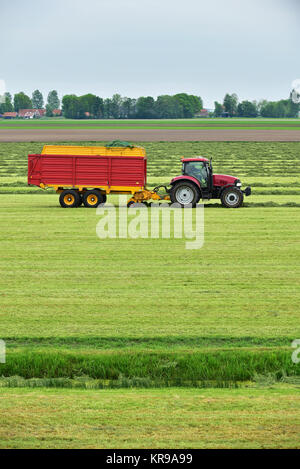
[[232, 197], [184, 193], [69, 198], [92, 199]]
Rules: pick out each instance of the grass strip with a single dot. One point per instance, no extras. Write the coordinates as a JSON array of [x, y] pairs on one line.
[[174, 368]]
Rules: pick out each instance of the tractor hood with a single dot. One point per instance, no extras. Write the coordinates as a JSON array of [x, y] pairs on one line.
[[224, 180]]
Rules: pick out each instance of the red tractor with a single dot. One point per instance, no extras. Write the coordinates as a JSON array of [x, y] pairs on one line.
[[198, 182]]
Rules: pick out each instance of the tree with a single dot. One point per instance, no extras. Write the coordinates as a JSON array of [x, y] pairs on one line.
[[230, 104], [7, 105], [72, 107], [168, 107], [92, 104], [128, 108], [292, 108], [97, 108], [107, 108], [53, 100], [37, 100], [218, 109], [49, 111], [22, 101], [145, 107], [190, 104], [247, 109], [268, 109], [282, 108], [115, 107]]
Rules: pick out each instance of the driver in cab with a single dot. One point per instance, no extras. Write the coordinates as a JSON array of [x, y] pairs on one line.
[[198, 171]]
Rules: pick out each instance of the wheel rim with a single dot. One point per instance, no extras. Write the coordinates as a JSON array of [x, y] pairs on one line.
[[69, 199], [92, 199], [184, 195], [231, 198]]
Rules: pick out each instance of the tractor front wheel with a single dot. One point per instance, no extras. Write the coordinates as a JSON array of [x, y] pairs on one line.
[[184, 193], [232, 197]]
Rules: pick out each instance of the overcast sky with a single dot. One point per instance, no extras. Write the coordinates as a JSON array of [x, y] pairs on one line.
[[151, 47]]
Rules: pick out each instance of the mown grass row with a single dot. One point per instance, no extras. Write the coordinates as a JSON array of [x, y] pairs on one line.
[[161, 367], [242, 159], [119, 342]]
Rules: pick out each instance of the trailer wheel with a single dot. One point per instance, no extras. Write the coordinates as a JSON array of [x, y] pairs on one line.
[[93, 198], [80, 202], [232, 197], [184, 193], [69, 198]]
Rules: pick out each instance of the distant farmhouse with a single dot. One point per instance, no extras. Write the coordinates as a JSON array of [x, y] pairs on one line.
[[30, 113], [204, 113], [10, 115]]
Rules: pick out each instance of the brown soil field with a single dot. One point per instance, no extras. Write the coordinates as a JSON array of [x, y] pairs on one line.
[[156, 135]]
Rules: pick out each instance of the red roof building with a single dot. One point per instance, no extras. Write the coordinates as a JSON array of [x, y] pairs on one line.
[[31, 113], [202, 113], [56, 112], [10, 115]]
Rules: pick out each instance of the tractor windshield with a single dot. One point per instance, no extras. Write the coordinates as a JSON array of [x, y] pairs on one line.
[[197, 169]]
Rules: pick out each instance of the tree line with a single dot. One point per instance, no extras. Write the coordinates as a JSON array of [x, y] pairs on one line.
[[181, 105], [232, 108], [22, 101]]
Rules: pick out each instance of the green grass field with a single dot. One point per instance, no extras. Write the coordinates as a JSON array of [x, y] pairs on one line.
[[80, 312], [242, 123], [164, 418]]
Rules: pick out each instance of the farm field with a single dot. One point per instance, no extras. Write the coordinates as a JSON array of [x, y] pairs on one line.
[[228, 123], [150, 130], [80, 312], [156, 418]]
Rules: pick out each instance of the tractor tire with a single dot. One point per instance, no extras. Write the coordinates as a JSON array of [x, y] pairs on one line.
[[92, 198], [232, 197], [184, 193], [69, 198]]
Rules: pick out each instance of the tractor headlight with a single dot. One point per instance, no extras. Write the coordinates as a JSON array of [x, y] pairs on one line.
[[238, 184]]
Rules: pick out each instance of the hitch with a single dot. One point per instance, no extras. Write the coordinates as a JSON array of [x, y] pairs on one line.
[[156, 189], [143, 196]]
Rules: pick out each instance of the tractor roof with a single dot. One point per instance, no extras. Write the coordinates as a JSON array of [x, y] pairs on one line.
[[199, 158]]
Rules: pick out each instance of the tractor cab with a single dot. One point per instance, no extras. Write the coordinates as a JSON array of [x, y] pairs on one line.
[[200, 169]]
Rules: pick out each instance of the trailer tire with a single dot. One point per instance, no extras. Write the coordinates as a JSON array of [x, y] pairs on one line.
[[232, 197], [69, 198], [92, 198], [80, 202], [184, 193]]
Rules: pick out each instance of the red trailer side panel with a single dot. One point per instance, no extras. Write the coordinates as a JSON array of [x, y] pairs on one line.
[[87, 170], [127, 171], [57, 169], [91, 170]]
